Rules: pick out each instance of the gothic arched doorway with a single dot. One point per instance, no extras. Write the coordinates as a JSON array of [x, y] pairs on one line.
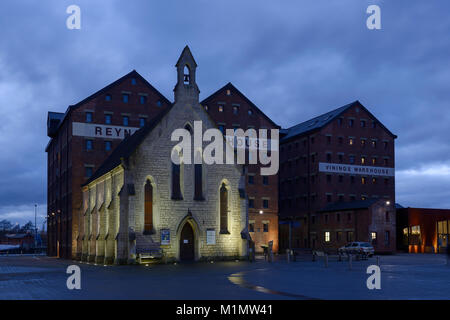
[[187, 245]]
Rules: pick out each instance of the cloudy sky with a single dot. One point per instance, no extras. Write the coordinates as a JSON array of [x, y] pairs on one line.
[[295, 59]]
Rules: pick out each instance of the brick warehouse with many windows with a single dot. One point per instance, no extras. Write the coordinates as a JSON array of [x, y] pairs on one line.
[[342, 156], [83, 137]]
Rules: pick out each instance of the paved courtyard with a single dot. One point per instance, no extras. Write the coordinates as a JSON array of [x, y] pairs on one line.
[[403, 276]]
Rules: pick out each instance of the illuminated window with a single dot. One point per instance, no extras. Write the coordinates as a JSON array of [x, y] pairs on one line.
[[374, 143], [350, 141], [363, 160], [374, 180], [327, 236], [374, 161], [228, 92], [148, 207], [206, 107], [373, 236], [235, 109], [363, 180], [220, 108]]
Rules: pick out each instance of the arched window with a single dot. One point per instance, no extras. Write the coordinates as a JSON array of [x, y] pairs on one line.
[[223, 209], [198, 177], [148, 208], [187, 75], [176, 179]]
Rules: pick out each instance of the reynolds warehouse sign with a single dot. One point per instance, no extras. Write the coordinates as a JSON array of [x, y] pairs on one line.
[[101, 131], [351, 169]]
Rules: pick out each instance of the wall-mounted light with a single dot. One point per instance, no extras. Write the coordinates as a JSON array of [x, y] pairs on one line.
[[388, 203], [260, 212]]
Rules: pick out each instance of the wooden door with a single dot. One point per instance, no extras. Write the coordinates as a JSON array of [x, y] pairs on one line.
[[187, 243]]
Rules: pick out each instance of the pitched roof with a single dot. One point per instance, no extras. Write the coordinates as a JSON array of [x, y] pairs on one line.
[[127, 146], [133, 73], [230, 86], [323, 120], [186, 53], [352, 205]]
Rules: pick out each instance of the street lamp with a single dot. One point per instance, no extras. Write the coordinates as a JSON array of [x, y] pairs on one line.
[[35, 227]]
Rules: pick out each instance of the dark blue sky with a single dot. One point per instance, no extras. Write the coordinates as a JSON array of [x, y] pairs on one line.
[[294, 59]]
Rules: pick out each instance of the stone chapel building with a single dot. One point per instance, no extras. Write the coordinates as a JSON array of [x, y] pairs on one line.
[[139, 199]]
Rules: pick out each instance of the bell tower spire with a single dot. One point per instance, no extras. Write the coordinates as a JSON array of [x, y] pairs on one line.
[[186, 89]]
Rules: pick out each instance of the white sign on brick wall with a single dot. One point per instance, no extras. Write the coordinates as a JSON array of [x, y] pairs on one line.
[[210, 236], [352, 169], [93, 130]]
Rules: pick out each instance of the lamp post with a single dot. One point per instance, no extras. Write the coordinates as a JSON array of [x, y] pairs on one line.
[[35, 227]]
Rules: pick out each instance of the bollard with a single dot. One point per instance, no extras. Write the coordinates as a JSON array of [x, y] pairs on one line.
[[326, 260], [350, 261], [288, 255]]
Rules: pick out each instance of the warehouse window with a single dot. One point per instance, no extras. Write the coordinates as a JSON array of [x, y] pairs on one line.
[[142, 122], [89, 117], [251, 227], [265, 227], [327, 236], [108, 118], [265, 180], [89, 145], [107, 145], [125, 97], [143, 99], [88, 172], [265, 203], [125, 120], [251, 203], [108, 97]]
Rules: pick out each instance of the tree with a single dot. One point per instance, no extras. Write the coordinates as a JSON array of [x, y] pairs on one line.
[[5, 225], [28, 227]]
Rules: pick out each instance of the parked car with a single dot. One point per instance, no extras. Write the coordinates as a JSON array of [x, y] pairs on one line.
[[357, 247]]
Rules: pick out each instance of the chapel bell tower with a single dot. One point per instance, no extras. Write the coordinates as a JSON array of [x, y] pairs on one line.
[[186, 89]]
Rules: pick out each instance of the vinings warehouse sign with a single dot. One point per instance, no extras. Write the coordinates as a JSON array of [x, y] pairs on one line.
[[351, 169], [101, 131]]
